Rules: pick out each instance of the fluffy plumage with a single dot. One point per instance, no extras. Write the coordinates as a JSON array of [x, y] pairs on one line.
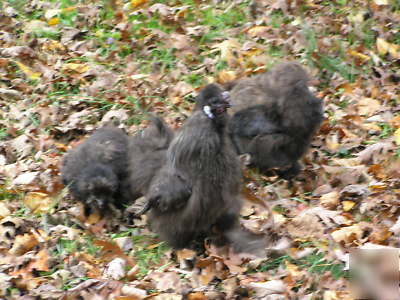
[[95, 168], [274, 118], [202, 155], [147, 155]]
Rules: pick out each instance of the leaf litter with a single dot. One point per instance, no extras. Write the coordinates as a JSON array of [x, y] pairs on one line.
[[67, 68]]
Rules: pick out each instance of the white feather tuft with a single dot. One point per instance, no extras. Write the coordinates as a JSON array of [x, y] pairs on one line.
[[207, 111]]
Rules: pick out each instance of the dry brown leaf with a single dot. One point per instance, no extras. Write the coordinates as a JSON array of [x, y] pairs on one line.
[[207, 274], [226, 76], [348, 235], [229, 51], [19, 51], [368, 106], [258, 31], [110, 250], [23, 243], [197, 296], [306, 226], [330, 200], [41, 261], [4, 210], [25, 178], [166, 281], [264, 289], [375, 153], [38, 202]]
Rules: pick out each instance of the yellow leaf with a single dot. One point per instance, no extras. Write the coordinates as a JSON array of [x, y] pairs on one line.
[[359, 55], [137, 3], [348, 205], [28, 72], [53, 21], [397, 136], [38, 202], [74, 67], [385, 47], [53, 46]]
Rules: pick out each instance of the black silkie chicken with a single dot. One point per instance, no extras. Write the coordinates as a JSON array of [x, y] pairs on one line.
[[197, 190], [95, 169], [147, 155], [274, 118]]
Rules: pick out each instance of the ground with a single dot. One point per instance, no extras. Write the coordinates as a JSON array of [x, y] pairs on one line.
[[69, 66]]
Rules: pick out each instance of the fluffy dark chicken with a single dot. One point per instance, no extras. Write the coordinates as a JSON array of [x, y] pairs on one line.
[[274, 118], [95, 169], [147, 155], [203, 162]]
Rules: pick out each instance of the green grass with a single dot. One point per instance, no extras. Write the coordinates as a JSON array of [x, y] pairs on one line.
[[3, 136], [147, 254], [387, 130], [314, 263], [66, 246]]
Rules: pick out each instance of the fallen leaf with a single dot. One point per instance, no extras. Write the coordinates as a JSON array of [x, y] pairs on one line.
[[263, 289], [51, 13], [38, 202], [197, 296], [4, 210], [41, 261], [137, 3], [166, 281], [330, 200], [258, 31], [75, 67], [368, 106], [359, 55], [226, 76], [229, 51], [381, 2], [385, 47], [375, 153], [348, 205], [25, 178], [28, 72], [53, 21], [19, 51], [348, 234], [116, 269], [23, 243], [397, 136], [110, 250], [133, 291]]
